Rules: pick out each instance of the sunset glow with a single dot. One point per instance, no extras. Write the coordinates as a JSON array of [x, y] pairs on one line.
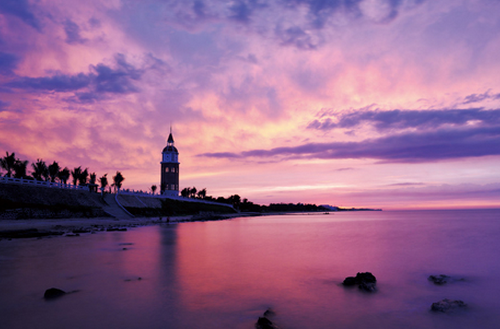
[[356, 103]]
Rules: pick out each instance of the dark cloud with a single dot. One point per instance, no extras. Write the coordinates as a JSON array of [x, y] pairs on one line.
[[474, 98], [403, 119], [297, 37], [72, 31], [241, 10], [89, 87], [58, 82], [8, 63], [20, 9], [3, 105], [406, 148]]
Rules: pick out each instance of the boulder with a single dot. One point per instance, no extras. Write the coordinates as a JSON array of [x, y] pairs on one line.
[[264, 323], [447, 305], [53, 293], [439, 279], [365, 281]]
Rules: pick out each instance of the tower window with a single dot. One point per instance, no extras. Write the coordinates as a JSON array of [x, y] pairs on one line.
[[166, 169]]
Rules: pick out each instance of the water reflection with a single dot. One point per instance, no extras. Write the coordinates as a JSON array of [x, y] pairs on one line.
[[226, 274]]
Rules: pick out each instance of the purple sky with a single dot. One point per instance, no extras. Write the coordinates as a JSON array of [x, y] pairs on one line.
[[365, 103]]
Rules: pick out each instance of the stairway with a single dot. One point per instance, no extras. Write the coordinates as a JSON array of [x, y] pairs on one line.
[[112, 208]]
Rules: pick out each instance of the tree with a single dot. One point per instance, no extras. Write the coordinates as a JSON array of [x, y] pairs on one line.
[[202, 193], [53, 171], [192, 192], [75, 173], [40, 170], [153, 188], [83, 178], [104, 182], [185, 192], [20, 168], [64, 175], [8, 162], [92, 178], [118, 179]]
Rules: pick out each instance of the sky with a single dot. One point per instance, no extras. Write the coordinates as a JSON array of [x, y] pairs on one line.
[[391, 104]]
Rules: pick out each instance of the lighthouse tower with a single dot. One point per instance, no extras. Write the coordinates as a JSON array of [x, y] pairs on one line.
[[170, 168]]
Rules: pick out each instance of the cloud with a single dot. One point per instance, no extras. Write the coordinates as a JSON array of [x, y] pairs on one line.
[[72, 31], [474, 98], [59, 82], [101, 79], [8, 63], [404, 119], [20, 9], [406, 148]]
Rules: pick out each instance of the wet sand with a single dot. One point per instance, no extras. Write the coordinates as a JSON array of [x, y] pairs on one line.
[[67, 225]]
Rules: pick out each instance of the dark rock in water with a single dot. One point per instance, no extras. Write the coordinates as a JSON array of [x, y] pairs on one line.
[[53, 293], [264, 323], [447, 305], [365, 281], [116, 229], [367, 286], [439, 279], [350, 281]]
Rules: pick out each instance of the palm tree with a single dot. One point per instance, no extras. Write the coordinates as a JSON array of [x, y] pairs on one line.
[[84, 176], [40, 170], [20, 168], [8, 162], [54, 171], [75, 173], [118, 179], [104, 182], [153, 188], [64, 175], [202, 193], [185, 192]]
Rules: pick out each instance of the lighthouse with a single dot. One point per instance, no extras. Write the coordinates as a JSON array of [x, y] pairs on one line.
[[170, 168]]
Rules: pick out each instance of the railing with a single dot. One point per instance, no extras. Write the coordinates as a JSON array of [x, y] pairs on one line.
[[34, 182]]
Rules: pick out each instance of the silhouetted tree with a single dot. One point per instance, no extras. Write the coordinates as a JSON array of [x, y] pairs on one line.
[[104, 182], [75, 174], [8, 162], [83, 178], [92, 178], [20, 168], [53, 171], [192, 192], [64, 175], [185, 192], [40, 170], [118, 179], [202, 193], [153, 188]]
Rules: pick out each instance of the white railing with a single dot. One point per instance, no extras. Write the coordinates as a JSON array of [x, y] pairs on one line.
[[34, 182]]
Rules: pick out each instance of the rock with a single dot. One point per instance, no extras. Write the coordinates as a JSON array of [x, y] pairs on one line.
[[439, 279], [365, 281], [53, 293], [264, 323], [367, 286], [447, 305]]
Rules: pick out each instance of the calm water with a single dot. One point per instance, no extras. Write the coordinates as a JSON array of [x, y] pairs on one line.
[[226, 274]]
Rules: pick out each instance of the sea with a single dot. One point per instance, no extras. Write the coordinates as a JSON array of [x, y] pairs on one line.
[[226, 274]]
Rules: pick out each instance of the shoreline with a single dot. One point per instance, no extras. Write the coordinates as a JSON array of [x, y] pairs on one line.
[[38, 228]]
